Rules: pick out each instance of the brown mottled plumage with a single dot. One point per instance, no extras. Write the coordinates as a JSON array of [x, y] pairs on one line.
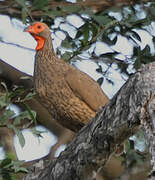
[[70, 95]]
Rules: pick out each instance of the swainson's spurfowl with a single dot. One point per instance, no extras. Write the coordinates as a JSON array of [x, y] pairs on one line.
[[70, 95]]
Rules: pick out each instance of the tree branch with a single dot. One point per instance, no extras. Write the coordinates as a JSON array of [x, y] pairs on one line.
[[14, 10], [114, 123], [149, 127]]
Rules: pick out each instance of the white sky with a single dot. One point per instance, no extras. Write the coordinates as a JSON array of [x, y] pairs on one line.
[[23, 60], [35, 147]]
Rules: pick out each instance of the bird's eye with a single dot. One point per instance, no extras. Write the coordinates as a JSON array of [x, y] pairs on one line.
[[39, 27]]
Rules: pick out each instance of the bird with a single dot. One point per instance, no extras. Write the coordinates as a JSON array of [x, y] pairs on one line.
[[70, 95]]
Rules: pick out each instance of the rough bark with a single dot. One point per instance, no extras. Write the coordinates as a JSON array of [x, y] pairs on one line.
[[149, 127], [12, 76], [130, 109]]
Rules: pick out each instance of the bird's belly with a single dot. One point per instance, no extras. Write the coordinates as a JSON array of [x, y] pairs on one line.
[[65, 107]]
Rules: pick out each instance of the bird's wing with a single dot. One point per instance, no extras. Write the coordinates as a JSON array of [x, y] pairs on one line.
[[86, 89]]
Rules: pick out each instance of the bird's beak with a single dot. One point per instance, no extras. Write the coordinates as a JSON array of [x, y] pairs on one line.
[[30, 29]]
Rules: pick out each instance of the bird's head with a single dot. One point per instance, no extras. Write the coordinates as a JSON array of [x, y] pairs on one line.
[[40, 31]]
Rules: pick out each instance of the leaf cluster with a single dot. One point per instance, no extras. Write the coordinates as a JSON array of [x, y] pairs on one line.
[[107, 28], [103, 26], [9, 118], [9, 169]]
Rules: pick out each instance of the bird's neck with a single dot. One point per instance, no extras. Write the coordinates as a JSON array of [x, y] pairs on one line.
[[46, 49], [43, 43], [46, 55]]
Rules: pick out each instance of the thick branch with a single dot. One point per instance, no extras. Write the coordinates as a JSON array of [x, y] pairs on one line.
[[149, 127], [14, 10], [114, 123]]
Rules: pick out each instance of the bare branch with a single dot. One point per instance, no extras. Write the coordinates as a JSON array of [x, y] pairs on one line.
[[17, 45]]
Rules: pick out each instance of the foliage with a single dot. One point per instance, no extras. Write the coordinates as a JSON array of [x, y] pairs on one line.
[[104, 26], [9, 118], [9, 169]]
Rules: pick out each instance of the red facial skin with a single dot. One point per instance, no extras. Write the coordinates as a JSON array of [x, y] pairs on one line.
[[34, 30]]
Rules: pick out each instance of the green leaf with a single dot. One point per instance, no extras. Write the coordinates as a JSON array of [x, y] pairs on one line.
[[24, 11], [66, 56], [8, 114], [94, 30], [131, 142], [5, 163], [21, 2], [99, 70], [19, 134], [98, 19], [146, 50], [100, 81], [114, 40], [136, 35], [4, 97], [86, 11], [11, 155], [53, 13], [110, 81], [5, 86], [141, 22], [29, 96], [37, 132], [17, 91], [9, 168], [78, 34], [23, 115], [16, 166], [71, 8], [24, 14], [31, 113], [106, 39], [26, 77], [137, 63], [21, 169], [66, 44], [3, 101], [85, 35], [39, 4], [109, 54], [102, 20], [86, 47], [136, 51]]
